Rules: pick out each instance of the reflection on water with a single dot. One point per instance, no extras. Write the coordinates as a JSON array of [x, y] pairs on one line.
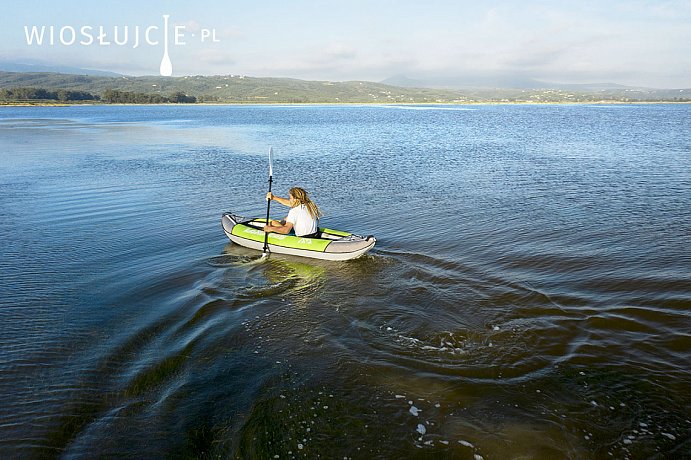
[[528, 295]]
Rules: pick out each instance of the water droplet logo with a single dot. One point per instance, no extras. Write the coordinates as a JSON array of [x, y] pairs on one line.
[[166, 66]]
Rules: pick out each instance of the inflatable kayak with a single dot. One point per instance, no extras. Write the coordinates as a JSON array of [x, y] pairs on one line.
[[331, 244]]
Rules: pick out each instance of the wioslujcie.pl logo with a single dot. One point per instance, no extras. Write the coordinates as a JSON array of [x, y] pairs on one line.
[[120, 35]]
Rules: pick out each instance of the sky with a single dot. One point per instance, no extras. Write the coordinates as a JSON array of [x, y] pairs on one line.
[[629, 42]]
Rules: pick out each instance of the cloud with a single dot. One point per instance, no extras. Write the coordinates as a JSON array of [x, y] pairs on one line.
[[191, 26], [638, 41], [340, 52], [231, 33], [214, 57]]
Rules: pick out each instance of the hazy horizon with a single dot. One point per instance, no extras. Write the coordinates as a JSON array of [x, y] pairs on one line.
[[641, 43]]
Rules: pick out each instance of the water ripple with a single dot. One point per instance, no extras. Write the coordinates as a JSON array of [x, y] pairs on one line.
[[528, 294]]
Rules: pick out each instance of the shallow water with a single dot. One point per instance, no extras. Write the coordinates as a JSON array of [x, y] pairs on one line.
[[529, 295]]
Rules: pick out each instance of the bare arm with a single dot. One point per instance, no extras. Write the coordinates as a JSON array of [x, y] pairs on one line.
[[283, 201], [276, 227]]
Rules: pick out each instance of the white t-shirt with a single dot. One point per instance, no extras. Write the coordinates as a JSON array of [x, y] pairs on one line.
[[302, 220]]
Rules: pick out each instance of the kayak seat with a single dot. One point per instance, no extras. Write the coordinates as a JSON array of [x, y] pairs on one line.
[[317, 234]]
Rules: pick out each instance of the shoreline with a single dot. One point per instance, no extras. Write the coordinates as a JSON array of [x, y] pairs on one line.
[[345, 104]]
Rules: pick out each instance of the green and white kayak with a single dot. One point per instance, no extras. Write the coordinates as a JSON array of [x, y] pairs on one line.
[[331, 244]]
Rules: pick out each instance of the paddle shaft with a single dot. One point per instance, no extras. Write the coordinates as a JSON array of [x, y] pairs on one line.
[[268, 208]]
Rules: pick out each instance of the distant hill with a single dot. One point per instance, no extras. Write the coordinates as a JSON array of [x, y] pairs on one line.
[[465, 82], [233, 88], [244, 89], [29, 67], [499, 82]]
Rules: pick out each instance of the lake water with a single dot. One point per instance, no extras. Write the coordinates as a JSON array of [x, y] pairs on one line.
[[529, 295]]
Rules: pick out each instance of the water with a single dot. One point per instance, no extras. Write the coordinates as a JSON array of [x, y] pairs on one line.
[[528, 296]]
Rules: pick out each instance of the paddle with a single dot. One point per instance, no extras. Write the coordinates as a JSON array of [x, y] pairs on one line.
[[166, 68], [268, 202]]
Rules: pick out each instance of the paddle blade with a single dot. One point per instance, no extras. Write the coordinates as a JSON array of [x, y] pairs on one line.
[[271, 161]]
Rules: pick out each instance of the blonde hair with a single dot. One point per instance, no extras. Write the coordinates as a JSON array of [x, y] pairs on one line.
[[301, 197]]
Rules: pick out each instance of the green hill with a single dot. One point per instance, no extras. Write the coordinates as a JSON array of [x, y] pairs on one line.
[[243, 89], [232, 88]]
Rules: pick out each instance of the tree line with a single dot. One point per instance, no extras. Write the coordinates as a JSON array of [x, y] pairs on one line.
[[114, 96], [110, 96], [41, 94]]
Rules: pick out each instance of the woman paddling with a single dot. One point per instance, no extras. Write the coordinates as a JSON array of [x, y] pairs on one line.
[[303, 217]]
